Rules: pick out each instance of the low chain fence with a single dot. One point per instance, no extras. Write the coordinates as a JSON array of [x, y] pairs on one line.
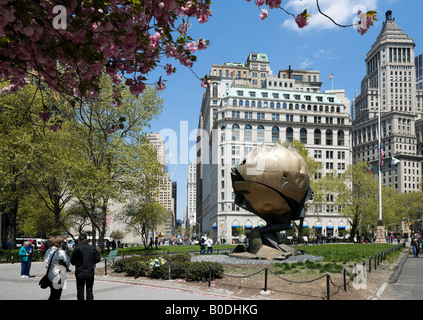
[[332, 288]]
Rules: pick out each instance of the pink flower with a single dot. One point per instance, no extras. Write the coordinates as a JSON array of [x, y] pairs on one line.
[[169, 69], [45, 116], [260, 2], [55, 127], [160, 86], [274, 3], [365, 21], [205, 83], [264, 14], [301, 19]]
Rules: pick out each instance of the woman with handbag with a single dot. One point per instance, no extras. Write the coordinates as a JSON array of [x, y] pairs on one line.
[[56, 261]]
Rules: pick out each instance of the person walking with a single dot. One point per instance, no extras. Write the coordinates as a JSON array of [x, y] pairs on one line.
[[209, 245], [30, 250], [59, 260], [203, 244], [84, 258], [23, 255], [415, 242]]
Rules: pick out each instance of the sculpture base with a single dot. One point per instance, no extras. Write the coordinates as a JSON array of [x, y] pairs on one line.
[[264, 247], [380, 234]]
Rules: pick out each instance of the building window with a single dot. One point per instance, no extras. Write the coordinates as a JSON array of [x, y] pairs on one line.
[[248, 133], [289, 134], [235, 132], [260, 134], [329, 137], [275, 134], [317, 136], [341, 138], [303, 135]]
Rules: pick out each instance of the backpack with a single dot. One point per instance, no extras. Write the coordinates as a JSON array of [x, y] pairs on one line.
[[202, 241]]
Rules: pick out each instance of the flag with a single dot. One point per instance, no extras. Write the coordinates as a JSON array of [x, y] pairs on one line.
[[331, 76], [368, 168], [395, 161], [382, 154]]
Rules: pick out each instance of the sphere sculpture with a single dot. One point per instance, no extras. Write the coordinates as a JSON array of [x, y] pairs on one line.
[[272, 182]]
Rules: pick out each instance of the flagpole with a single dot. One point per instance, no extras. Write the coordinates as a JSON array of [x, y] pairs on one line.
[[380, 227]]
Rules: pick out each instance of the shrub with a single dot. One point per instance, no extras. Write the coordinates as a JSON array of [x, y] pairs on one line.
[[199, 271], [181, 267]]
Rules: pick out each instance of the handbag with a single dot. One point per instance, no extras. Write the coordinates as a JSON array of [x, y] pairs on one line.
[[45, 281]]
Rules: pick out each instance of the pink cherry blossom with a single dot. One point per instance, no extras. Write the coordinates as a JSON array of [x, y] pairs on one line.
[[264, 14], [301, 19], [274, 3], [45, 116]]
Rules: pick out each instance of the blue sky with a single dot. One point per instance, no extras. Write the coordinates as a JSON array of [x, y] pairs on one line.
[[235, 30]]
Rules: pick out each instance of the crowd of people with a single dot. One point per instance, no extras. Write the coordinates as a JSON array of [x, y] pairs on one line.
[[57, 261]]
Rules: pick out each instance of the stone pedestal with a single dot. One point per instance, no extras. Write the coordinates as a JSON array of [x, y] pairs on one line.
[[380, 233], [264, 248]]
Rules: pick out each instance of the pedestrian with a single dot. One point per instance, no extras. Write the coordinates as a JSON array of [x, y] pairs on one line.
[[113, 244], [108, 245], [203, 244], [156, 241], [209, 245], [84, 258], [23, 255], [355, 239], [59, 260], [150, 245], [415, 242], [30, 250]]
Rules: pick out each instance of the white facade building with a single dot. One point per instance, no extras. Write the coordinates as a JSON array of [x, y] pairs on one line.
[[247, 106]]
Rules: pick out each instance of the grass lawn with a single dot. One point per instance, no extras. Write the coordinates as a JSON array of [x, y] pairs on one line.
[[170, 249], [345, 252]]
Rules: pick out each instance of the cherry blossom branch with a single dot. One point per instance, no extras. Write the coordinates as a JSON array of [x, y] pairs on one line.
[[325, 15]]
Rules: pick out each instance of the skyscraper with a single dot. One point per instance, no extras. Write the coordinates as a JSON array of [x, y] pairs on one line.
[[389, 86], [165, 196]]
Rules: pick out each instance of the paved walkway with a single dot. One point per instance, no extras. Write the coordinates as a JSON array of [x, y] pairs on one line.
[[407, 282], [13, 287]]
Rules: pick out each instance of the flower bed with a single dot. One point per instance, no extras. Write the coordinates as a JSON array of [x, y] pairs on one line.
[[178, 266]]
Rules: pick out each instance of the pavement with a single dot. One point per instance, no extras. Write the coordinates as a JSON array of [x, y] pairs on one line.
[[13, 287], [406, 283]]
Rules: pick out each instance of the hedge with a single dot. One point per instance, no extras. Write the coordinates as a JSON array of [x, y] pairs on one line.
[[181, 267]]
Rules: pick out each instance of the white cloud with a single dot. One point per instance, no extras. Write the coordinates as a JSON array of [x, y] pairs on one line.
[[341, 11], [306, 63]]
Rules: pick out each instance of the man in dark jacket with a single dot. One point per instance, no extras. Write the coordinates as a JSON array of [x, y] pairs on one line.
[[84, 258]]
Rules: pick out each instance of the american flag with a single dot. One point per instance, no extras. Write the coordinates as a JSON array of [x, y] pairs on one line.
[[331, 76], [382, 154]]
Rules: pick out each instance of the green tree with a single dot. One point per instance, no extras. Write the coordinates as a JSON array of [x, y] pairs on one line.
[[142, 217], [314, 167], [116, 160], [20, 148]]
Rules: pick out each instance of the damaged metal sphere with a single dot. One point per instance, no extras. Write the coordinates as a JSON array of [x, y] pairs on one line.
[[272, 182]]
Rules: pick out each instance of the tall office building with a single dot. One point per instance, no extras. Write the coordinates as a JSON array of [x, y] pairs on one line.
[[190, 218], [389, 86], [247, 106], [165, 196], [419, 71]]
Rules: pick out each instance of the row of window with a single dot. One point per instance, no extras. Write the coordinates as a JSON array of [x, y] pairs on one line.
[[287, 96], [289, 135], [278, 105]]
